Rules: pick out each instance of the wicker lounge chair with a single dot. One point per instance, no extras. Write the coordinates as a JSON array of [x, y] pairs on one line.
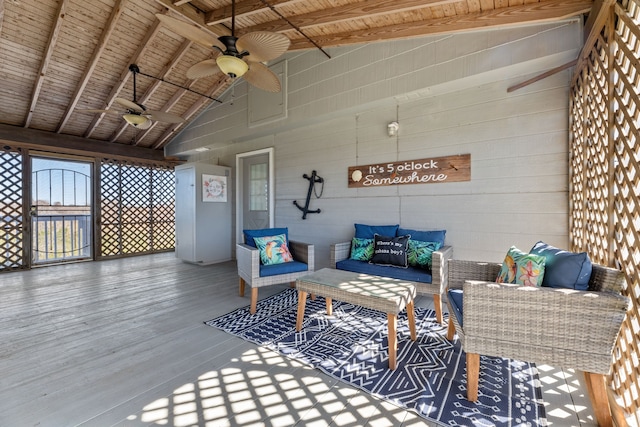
[[254, 274], [563, 328]]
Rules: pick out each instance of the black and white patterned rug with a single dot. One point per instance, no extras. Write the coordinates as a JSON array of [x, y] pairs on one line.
[[430, 379]]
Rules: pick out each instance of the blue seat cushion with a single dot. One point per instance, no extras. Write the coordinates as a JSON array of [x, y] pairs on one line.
[[410, 273], [264, 232], [284, 268], [455, 298], [424, 236]]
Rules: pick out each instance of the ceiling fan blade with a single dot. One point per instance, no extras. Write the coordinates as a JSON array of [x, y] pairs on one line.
[[98, 111], [190, 31], [263, 45], [129, 105], [144, 125], [260, 76], [161, 116], [205, 68]]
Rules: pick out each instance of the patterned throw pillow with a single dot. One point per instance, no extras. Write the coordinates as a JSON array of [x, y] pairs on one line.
[[361, 249], [390, 250], [521, 268], [419, 253], [273, 249]]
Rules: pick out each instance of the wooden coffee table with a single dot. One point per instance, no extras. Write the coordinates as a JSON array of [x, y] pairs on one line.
[[378, 293]]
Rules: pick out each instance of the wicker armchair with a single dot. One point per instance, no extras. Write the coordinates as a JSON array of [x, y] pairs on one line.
[[248, 259], [563, 328]]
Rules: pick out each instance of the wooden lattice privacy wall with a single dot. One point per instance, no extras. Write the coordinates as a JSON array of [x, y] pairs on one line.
[[137, 213], [605, 174]]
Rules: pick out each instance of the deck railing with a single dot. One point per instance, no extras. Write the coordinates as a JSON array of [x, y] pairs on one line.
[[61, 236]]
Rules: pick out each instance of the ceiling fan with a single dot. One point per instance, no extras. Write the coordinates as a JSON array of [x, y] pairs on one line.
[[137, 114], [236, 56]]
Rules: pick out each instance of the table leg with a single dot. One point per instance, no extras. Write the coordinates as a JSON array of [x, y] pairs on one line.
[[411, 316], [393, 338], [302, 300], [329, 306]]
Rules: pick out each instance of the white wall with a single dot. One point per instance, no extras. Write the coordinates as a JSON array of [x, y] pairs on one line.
[[449, 94]]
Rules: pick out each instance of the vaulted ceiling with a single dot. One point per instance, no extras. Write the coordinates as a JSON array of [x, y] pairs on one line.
[[58, 57]]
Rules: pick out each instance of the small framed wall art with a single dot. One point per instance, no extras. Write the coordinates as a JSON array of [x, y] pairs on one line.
[[214, 188]]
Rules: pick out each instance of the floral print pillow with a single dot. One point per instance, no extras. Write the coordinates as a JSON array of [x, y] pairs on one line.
[[273, 249], [361, 249], [521, 268], [419, 253]]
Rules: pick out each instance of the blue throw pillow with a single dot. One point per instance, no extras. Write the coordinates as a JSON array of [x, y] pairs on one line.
[[564, 269], [425, 236], [369, 231], [249, 235]]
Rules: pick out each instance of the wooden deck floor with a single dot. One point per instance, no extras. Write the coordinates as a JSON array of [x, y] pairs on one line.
[[122, 343]]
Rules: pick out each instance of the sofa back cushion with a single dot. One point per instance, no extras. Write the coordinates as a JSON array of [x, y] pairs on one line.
[[424, 236], [364, 231], [564, 269], [263, 232]]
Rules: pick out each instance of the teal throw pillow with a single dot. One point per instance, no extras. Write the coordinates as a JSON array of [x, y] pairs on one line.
[[273, 249], [419, 253], [361, 249], [521, 268]]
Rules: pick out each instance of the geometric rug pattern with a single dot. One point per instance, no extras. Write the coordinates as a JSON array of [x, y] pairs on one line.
[[430, 379]]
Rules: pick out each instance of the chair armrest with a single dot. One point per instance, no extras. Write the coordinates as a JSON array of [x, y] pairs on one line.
[[440, 268], [462, 270], [559, 327], [248, 259], [339, 252], [303, 252]]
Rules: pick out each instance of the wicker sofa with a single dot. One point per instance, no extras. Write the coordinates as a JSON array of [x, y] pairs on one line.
[[564, 328], [427, 283]]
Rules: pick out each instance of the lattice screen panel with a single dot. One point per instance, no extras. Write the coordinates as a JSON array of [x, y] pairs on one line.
[[137, 213], [11, 210], [163, 209], [605, 177]]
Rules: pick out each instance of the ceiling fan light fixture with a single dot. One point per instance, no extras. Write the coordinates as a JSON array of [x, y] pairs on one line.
[[232, 66], [134, 120]]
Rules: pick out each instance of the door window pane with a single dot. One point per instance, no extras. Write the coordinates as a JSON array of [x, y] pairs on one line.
[[258, 179]]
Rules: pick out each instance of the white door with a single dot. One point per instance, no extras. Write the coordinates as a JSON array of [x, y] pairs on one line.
[[185, 213], [254, 198]]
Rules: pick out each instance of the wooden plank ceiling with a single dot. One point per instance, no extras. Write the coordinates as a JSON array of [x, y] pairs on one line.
[[59, 56]]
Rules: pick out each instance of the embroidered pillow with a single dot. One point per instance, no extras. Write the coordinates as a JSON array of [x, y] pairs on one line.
[[419, 253], [521, 268], [390, 250], [361, 249], [273, 249]]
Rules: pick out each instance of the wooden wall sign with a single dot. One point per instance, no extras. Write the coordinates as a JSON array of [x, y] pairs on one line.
[[422, 171]]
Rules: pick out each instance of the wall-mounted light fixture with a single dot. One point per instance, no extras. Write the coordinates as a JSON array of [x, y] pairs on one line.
[[392, 128]]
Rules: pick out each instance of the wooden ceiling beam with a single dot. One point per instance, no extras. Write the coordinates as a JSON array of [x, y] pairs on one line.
[[194, 16], [93, 62], [243, 8], [156, 84], [547, 11], [125, 75], [347, 12], [181, 2], [46, 60], [71, 144]]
